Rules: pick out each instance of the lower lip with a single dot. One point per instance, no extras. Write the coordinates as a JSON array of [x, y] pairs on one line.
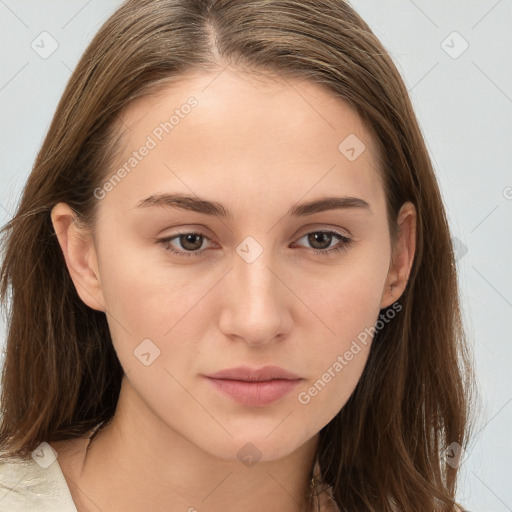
[[255, 394]]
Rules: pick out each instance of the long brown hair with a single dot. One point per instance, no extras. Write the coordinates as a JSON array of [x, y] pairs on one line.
[[385, 449]]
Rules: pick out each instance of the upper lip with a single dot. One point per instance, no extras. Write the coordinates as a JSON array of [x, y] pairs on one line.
[[245, 373]]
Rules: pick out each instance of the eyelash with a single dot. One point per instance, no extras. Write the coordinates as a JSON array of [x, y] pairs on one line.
[[342, 246]]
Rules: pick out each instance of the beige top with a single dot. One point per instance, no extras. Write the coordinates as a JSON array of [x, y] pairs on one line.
[[26, 486]]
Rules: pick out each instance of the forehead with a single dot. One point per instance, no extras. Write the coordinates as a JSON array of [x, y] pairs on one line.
[[253, 134]]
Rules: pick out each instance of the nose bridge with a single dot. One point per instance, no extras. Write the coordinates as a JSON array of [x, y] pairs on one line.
[[254, 301], [256, 283]]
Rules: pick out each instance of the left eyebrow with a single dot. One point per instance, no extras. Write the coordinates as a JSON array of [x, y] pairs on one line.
[[213, 208]]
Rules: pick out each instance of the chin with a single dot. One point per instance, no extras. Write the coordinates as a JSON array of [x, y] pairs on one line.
[[255, 445]]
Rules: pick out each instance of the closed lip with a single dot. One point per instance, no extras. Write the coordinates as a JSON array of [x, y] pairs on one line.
[[247, 374]]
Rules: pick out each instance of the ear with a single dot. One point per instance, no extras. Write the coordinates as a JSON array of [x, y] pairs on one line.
[[80, 254], [403, 255]]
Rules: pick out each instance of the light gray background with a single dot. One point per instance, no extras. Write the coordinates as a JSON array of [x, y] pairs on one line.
[[464, 106]]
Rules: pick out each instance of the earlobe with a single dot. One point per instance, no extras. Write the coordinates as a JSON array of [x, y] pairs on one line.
[[80, 255], [403, 256]]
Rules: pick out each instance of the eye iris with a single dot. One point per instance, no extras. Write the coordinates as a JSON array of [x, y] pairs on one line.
[[193, 239], [315, 238]]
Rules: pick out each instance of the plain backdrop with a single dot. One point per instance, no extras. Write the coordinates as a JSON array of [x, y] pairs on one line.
[[455, 58]]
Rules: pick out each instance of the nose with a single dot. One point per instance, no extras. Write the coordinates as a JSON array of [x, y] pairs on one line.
[[255, 302]]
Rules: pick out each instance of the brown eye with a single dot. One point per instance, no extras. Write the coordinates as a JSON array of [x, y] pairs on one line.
[[321, 242], [319, 239], [190, 243]]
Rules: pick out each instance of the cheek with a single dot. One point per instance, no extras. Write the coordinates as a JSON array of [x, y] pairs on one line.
[[346, 298], [322, 397], [336, 361], [147, 298], [142, 288], [348, 307]]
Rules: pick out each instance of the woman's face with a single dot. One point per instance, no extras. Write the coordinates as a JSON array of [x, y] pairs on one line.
[[255, 283]]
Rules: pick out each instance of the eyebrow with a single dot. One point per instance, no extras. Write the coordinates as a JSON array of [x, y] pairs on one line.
[[213, 208]]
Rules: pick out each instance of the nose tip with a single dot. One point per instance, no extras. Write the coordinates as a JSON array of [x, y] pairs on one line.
[[254, 303]]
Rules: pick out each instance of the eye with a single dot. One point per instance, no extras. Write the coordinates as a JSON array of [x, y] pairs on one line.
[[192, 242], [321, 241]]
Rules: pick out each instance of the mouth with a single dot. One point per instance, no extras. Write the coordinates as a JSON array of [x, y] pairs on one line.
[[254, 387]]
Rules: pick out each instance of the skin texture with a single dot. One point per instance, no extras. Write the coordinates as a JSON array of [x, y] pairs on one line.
[[258, 147]]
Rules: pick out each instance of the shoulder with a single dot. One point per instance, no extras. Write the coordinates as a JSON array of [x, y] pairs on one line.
[[27, 486]]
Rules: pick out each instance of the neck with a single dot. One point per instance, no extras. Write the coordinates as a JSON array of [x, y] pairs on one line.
[[138, 463]]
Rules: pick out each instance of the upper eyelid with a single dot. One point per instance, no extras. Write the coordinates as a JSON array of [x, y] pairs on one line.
[[321, 227]]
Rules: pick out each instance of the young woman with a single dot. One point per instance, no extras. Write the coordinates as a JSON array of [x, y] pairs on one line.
[[230, 278]]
